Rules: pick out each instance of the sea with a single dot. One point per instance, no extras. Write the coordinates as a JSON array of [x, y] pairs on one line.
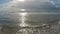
[[33, 22]]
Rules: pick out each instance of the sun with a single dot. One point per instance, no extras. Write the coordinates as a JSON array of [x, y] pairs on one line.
[[21, 0]]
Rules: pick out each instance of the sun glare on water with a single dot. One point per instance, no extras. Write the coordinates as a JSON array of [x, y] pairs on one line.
[[23, 19]]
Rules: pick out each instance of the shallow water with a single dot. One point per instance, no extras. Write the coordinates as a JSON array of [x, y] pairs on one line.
[[44, 29]]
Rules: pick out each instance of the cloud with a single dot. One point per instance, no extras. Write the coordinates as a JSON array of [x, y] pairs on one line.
[[56, 3], [52, 2], [15, 6]]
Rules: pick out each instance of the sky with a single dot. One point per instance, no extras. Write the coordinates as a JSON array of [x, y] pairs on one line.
[[4, 1], [37, 4], [57, 2]]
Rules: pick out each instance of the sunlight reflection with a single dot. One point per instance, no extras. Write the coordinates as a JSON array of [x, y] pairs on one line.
[[23, 14], [23, 18]]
